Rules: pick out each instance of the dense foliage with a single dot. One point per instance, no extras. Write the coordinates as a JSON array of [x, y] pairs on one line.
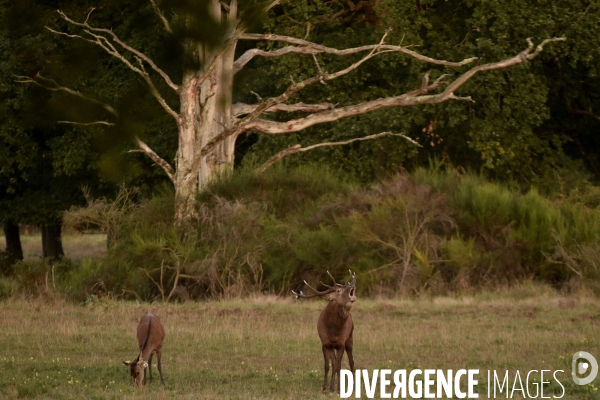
[[433, 231]]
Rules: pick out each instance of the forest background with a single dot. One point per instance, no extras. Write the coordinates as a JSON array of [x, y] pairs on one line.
[[501, 190]]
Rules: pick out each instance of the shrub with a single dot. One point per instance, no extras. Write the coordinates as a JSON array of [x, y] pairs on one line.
[[462, 261], [8, 287], [6, 263], [41, 277], [432, 230]]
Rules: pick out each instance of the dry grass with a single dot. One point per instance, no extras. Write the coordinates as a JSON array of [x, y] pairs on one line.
[[75, 245], [268, 348]]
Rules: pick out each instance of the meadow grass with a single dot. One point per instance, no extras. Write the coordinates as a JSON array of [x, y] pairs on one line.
[[268, 348], [76, 245]]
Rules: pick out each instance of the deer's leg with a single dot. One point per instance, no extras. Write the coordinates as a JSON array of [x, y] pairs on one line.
[[336, 370], [328, 358], [149, 367], [158, 357], [348, 346]]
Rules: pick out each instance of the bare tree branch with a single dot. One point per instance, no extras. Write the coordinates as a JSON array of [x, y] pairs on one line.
[[141, 145], [509, 62], [144, 148], [584, 112], [115, 38], [408, 99], [103, 42], [305, 47], [299, 149], [242, 125], [161, 16], [107, 46], [417, 97], [50, 84], [242, 108], [86, 123], [272, 4]]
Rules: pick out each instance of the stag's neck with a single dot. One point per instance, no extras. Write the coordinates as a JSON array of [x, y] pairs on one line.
[[338, 314]]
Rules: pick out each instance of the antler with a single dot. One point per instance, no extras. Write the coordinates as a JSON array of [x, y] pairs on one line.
[[330, 289], [353, 276]]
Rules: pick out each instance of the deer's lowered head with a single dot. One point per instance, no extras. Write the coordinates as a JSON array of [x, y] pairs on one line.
[[150, 334], [137, 369], [335, 325]]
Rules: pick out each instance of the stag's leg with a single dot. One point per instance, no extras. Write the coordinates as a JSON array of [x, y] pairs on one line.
[[327, 356], [149, 368], [336, 369], [158, 357], [349, 344]]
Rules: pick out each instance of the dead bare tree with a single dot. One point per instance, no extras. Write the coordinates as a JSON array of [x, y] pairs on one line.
[[150, 335], [208, 123], [335, 325]]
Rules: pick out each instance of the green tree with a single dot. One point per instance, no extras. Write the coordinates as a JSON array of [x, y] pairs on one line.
[[43, 165]]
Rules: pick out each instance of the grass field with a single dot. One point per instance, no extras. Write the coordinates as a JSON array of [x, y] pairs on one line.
[[75, 245], [268, 348]]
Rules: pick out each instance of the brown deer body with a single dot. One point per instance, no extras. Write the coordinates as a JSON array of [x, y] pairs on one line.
[[150, 334], [335, 326]]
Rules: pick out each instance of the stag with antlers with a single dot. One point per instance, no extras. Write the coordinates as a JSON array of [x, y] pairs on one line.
[[335, 325]]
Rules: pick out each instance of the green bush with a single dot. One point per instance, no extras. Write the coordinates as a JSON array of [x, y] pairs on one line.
[[6, 264], [83, 281], [460, 253], [36, 277], [8, 287], [519, 235], [433, 230]]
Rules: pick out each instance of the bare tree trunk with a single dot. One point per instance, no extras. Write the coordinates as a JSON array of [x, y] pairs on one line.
[[52, 242], [206, 111], [13, 241]]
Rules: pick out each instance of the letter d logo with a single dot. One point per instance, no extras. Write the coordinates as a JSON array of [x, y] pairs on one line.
[[580, 368]]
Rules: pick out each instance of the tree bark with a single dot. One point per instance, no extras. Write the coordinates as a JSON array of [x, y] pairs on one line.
[[13, 241], [206, 111], [52, 241]]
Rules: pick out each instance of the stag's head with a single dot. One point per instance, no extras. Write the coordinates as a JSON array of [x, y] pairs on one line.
[[343, 295], [136, 369]]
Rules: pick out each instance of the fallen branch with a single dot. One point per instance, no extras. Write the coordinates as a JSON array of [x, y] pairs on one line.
[[86, 123]]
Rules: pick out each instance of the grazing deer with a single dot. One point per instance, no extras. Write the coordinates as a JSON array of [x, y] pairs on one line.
[[335, 325], [150, 334]]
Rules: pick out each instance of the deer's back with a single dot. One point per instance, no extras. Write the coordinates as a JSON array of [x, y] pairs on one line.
[[150, 332]]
